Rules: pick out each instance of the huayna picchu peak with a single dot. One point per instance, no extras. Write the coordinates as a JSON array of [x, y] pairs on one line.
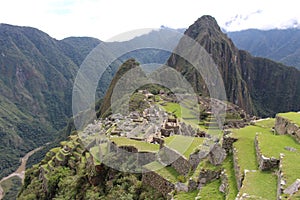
[[258, 85], [156, 141]]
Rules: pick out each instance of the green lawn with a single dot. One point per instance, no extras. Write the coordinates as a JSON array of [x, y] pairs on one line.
[[266, 123], [272, 145], [183, 144], [291, 167], [260, 185], [292, 116], [169, 173], [211, 191], [186, 195], [140, 145], [245, 146]]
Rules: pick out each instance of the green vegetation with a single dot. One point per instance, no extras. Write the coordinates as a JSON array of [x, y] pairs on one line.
[[266, 123], [169, 173], [211, 190], [187, 114], [186, 195], [272, 145], [140, 145], [260, 185], [11, 187], [232, 185], [183, 144], [292, 116], [245, 146]]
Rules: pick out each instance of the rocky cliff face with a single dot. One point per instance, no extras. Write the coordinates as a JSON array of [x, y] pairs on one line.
[[260, 86]]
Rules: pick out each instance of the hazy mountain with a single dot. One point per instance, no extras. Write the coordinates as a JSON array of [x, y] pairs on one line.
[[281, 45]]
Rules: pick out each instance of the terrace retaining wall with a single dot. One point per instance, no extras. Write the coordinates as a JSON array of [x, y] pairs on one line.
[[158, 182], [264, 162], [237, 170], [285, 126]]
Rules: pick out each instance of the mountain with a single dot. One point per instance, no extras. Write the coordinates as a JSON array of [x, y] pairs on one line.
[[36, 77], [227, 168], [258, 85], [37, 73], [281, 45]]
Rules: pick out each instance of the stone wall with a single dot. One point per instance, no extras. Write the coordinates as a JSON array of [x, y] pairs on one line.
[[237, 170], [264, 163], [281, 182], [171, 157], [158, 182], [224, 187], [181, 165], [284, 126], [227, 143]]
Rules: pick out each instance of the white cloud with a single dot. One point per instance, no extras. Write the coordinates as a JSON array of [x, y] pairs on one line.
[[106, 18]]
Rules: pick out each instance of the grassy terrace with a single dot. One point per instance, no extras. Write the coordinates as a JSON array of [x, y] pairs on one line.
[[292, 116], [169, 173], [183, 144], [257, 183], [140, 145], [272, 145], [186, 195], [211, 190], [187, 113], [184, 113], [266, 123], [232, 185], [245, 146], [290, 167]]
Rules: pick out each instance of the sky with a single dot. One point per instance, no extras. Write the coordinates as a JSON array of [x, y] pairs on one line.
[[104, 19]]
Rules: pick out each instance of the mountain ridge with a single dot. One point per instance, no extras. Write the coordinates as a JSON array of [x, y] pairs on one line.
[[241, 73]]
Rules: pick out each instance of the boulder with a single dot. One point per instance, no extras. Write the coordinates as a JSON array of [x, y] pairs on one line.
[[217, 155], [181, 187]]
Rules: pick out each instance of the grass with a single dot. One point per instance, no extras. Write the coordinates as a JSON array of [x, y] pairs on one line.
[[272, 145], [232, 185], [245, 146], [183, 113], [292, 116], [186, 195], [266, 123], [290, 167], [211, 191], [140, 145], [183, 144], [260, 185], [169, 173]]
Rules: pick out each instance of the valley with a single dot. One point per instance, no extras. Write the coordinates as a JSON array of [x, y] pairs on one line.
[[156, 141]]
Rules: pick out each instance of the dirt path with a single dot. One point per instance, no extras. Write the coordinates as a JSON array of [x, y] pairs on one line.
[[20, 172]]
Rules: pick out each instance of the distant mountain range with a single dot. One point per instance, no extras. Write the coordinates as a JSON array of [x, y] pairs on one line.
[[279, 45]]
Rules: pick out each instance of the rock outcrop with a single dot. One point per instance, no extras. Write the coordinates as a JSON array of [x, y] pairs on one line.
[[285, 126]]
